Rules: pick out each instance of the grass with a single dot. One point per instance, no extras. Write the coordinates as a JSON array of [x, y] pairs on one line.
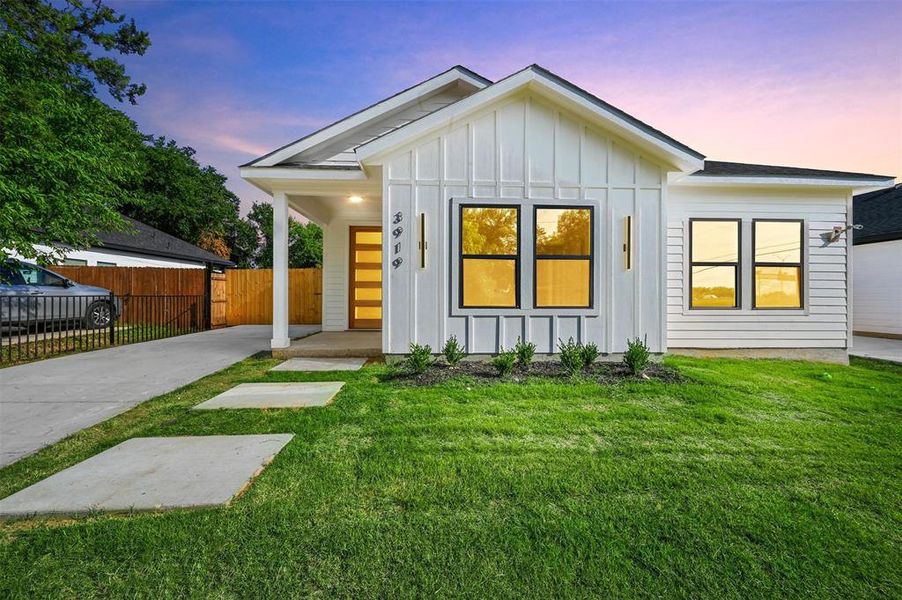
[[53, 343], [753, 479]]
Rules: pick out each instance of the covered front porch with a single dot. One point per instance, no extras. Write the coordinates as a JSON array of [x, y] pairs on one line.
[[348, 207]]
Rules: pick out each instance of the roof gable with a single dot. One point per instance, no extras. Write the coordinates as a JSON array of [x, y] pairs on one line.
[[333, 145], [554, 88]]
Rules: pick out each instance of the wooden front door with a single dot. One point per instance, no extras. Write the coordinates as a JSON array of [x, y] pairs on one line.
[[365, 296]]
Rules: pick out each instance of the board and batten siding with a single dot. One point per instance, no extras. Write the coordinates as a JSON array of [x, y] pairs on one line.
[[521, 150], [877, 289], [822, 323]]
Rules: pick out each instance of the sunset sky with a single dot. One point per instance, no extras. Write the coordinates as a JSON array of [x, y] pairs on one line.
[[804, 84]]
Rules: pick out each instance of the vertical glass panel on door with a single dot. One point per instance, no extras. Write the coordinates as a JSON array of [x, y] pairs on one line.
[[368, 237]]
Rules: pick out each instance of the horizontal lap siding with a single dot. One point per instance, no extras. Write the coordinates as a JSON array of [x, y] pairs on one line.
[[822, 325], [523, 149]]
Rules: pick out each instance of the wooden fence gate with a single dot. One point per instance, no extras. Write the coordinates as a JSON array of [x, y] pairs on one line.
[[249, 296], [218, 300]]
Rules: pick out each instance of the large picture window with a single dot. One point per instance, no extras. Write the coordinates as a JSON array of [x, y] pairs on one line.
[[489, 256], [714, 263], [777, 278], [563, 257]]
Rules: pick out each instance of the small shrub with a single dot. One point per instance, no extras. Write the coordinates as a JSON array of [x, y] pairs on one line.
[[525, 352], [571, 357], [589, 353], [419, 359], [636, 355], [453, 351], [504, 362], [392, 370]]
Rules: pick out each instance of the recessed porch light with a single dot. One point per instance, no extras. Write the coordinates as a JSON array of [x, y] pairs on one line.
[[355, 199]]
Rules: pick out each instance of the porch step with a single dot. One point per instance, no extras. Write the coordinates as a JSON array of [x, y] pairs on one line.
[[334, 344]]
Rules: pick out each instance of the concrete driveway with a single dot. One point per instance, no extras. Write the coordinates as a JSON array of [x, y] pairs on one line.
[[45, 401]]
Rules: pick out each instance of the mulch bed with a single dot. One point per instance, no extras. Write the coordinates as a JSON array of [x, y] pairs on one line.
[[484, 372]]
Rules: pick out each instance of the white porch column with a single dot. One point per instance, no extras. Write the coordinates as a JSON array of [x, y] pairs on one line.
[[280, 271]]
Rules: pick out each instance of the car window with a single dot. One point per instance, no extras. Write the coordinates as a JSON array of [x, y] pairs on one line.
[[10, 276], [37, 276]]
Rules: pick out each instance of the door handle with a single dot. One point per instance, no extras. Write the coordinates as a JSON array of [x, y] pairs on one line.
[[37, 293]]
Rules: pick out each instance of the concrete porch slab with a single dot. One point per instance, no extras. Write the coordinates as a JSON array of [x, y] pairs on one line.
[[151, 474], [320, 364], [274, 395], [334, 344]]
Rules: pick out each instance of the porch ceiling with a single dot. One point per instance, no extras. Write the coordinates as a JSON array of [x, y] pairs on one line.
[[323, 209]]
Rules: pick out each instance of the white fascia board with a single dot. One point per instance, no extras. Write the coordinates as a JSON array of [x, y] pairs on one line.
[[255, 172], [372, 151], [821, 182], [367, 114]]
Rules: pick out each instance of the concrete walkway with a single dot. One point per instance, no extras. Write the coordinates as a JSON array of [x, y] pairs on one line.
[[873, 347], [45, 401]]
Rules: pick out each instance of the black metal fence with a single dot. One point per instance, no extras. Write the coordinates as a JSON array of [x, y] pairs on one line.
[[34, 326]]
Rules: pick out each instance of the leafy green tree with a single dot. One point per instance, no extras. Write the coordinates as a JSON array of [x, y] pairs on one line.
[[64, 35], [305, 242], [243, 241], [179, 196], [66, 159]]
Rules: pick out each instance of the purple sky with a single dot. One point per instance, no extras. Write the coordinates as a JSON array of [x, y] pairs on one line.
[[805, 84]]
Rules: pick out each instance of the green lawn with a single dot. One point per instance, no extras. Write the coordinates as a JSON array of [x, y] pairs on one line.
[[754, 479]]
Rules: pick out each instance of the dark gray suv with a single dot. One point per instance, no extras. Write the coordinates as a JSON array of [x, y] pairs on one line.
[[30, 294]]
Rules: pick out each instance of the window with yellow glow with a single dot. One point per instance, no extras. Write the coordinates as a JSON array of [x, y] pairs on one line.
[[777, 264], [563, 257], [714, 263], [490, 256]]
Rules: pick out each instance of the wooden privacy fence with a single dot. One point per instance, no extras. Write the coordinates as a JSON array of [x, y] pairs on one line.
[[174, 298], [141, 281], [249, 296]]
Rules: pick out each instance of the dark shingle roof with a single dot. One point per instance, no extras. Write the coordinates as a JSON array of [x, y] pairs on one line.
[[716, 168], [144, 239], [881, 214]]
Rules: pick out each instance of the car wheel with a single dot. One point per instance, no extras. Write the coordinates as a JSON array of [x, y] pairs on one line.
[[99, 315]]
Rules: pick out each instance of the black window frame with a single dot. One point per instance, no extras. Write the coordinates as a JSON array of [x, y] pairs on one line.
[[800, 265], [737, 304], [461, 256], [536, 258]]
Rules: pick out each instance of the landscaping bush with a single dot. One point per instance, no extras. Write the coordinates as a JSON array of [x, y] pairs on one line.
[[636, 355], [419, 359], [589, 353], [525, 352], [504, 362], [453, 351], [571, 357]]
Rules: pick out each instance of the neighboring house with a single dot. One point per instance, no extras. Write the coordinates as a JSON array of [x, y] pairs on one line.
[[529, 208], [142, 246], [877, 263]]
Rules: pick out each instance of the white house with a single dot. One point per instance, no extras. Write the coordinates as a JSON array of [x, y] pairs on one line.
[[139, 246], [529, 208], [877, 264]]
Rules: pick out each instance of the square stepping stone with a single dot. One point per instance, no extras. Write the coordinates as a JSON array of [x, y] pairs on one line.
[[274, 395], [151, 474], [320, 364]]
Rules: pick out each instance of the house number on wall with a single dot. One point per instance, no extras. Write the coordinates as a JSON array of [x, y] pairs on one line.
[[396, 233]]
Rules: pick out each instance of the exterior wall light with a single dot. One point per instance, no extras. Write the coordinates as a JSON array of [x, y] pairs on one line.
[[355, 199]]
